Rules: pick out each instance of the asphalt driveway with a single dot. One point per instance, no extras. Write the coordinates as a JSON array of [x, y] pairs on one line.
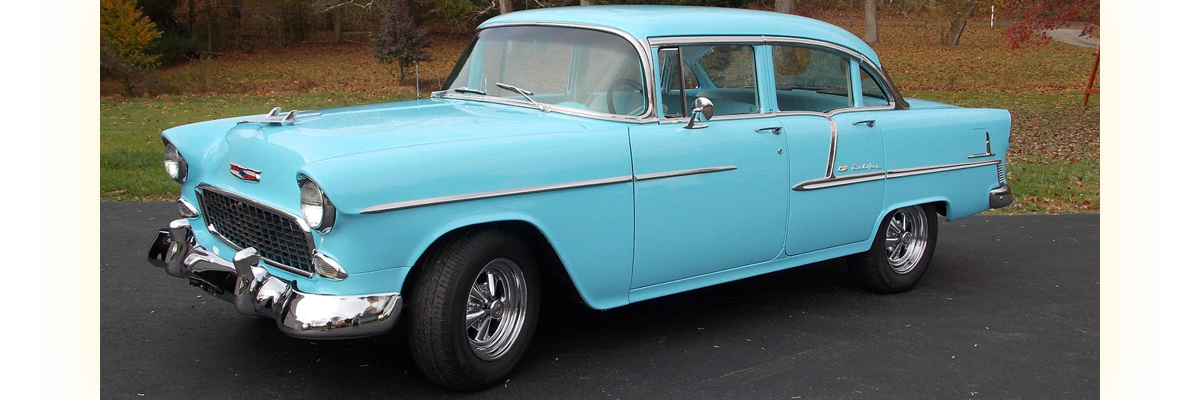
[[1009, 309]]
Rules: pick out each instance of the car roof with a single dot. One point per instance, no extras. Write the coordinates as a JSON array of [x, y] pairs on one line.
[[648, 21]]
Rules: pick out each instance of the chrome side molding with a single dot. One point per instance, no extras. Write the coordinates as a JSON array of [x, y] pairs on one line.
[[832, 181]]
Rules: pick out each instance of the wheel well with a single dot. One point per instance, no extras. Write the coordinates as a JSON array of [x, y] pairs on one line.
[[940, 206], [556, 282]]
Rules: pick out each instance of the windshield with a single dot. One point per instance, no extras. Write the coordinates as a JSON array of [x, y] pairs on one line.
[[568, 67]]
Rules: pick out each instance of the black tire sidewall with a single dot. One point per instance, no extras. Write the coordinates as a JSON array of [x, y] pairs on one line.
[[464, 259], [504, 247], [872, 268]]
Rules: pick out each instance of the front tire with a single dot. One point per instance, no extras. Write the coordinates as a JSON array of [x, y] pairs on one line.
[[474, 310], [901, 251]]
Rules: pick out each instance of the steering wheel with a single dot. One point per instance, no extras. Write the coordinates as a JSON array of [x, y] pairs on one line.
[[623, 82]]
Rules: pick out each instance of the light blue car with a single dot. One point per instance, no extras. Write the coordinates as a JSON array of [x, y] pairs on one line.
[[620, 153]]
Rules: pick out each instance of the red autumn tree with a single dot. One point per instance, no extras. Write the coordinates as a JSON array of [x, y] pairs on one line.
[[1033, 17]]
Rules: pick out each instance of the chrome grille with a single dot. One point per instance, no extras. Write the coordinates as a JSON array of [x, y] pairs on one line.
[[1000, 173], [278, 237]]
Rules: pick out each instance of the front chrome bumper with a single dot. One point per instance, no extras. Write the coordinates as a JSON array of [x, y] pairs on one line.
[[1000, 197], [254, 291]]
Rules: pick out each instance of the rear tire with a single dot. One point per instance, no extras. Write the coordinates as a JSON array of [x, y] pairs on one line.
[[901, 251], [474, 309]]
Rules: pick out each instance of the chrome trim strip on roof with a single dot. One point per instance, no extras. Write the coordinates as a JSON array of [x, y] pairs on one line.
[[402, 205], [690, 40], [682, 172]]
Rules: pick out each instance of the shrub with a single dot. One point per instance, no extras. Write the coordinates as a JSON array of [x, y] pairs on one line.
[[124, 36], [173, 48]]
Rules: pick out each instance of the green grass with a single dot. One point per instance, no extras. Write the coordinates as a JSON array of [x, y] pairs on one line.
[[131, 146], [1054, 187], [1054, 158], [1054, 154]]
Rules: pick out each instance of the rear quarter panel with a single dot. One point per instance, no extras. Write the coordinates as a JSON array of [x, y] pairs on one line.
[[931, 137]]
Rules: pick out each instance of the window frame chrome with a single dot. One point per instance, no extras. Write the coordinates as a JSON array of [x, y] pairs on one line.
[[755, 41], [895, 100], [641, 48]]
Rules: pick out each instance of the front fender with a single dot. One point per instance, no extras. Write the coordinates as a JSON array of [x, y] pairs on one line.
[[590, 226]]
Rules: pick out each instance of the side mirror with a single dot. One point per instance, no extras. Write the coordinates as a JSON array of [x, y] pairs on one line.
[[702, 106]]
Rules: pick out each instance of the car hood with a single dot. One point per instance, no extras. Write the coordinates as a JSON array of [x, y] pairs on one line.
[[278, 151]]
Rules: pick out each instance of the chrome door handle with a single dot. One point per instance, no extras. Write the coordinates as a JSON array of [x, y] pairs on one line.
[[774, 129], [870, 123]]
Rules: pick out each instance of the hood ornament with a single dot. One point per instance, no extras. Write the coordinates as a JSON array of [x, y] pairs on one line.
[[274, 117], [243, 173]]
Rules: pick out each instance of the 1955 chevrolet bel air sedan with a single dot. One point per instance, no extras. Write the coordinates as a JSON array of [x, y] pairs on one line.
[[621, 153]]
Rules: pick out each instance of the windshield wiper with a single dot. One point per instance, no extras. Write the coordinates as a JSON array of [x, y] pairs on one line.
[[522, 92], [464, 89], [460, 89]]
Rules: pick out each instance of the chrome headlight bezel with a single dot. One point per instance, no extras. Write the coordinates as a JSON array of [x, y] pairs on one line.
[[176, 166], [315, 208], [327, 267]]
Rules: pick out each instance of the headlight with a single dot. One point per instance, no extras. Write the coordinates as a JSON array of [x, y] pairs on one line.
[[176, 166], [316, 208]]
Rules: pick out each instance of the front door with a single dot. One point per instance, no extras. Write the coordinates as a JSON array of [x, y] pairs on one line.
[[712, 198]]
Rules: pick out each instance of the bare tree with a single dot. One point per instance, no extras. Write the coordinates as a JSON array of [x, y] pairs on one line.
[[505, 6], [961, 14], [337, 11], [783, 6], [871, 36]]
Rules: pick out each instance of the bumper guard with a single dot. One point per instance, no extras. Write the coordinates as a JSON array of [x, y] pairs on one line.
[[254, 291], [1000, 197]]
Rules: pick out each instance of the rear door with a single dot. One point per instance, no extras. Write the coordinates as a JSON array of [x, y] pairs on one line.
[[835, 145]]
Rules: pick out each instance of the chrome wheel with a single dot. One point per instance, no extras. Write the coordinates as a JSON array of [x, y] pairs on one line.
[[906, 237], [474, 308], [496, 307]]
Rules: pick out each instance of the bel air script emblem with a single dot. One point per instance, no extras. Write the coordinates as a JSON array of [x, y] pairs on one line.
[[243, 173], [858, 167]]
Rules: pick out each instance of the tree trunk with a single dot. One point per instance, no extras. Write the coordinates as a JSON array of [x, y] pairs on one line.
[[236, 10], [505, 6], [192, 18], [871, 36], [337, 24], [585, 3], [208, 23], [959, 24], [783, 6]]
